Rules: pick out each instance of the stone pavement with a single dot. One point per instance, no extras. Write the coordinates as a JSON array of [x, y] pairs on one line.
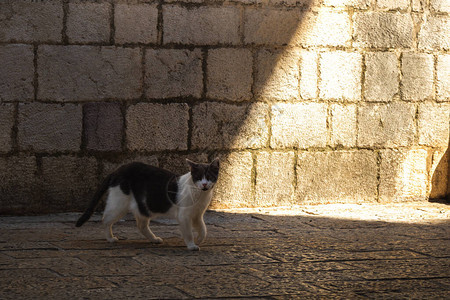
[[327, 251]]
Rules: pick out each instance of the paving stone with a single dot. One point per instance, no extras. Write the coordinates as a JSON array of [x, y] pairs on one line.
[[16, 72], [23, 21], [88, 22]]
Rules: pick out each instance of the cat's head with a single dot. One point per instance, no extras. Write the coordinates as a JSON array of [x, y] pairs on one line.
[[204, 176]]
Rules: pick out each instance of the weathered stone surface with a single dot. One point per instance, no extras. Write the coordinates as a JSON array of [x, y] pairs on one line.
[[226, 126], [393, 4], [68, 73], [443, 77], [275, 177], [173, 73], [417, 5], [69, 182], [343, 125], [136, 23], [26, 21], [177, 162], [229, 74], [6, 125], [234, 187], [440, 174], [440, 5], [434, 123], [386, 125], [383, 30], [340, 75], [417, 81], [50, 127], [201, 25], [111, 166], [308, 74], [102, 124], [361, 4], [16, 72], [403, 175], [434, 33], [88, 22], [19, 191], [277, 75], [381, 80], [156, 127], [320, 177], [301, 125]]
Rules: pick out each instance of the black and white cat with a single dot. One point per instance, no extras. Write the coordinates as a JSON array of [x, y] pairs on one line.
[[149, 192]]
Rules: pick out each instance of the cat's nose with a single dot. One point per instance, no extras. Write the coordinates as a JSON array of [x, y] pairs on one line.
[[204, 184]]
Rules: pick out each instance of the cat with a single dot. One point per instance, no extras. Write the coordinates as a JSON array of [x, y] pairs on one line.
[[149, 192]]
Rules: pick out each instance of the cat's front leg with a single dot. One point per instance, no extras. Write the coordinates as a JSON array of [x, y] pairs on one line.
[[186, 232], [200, 227]]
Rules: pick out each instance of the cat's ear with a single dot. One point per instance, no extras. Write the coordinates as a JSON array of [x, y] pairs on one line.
[[215, 163], [191, 164]]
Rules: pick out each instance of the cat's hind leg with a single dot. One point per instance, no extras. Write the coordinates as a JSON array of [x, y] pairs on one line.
[[143, 226], [117, 205]]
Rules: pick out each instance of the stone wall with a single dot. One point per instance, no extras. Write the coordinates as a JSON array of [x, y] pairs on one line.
[[305, 101]]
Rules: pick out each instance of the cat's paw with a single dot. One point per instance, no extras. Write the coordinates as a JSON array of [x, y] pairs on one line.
[[157, 240], [193, 248], [112, 239]]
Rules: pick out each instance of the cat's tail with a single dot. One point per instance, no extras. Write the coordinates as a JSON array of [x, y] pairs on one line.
[[95, 200]]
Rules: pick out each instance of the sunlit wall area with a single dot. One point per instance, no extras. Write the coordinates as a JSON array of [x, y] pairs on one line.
[[304, 101]]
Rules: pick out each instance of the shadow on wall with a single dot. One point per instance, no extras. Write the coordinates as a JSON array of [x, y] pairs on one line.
[[440, 181]]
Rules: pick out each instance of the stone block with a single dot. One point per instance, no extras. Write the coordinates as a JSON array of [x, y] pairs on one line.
[[403, 175], [383, 30], [18, 185], [275, 178], [417, 80], [277, 75], [386, 125], [173, 73], [308, 74], [176, 162], [6, 126], [16, 72], [27, 21], [360, 4], [434, 123], [443, 77], [234, 187], [50, 127], [68, 182], [227, 126], [343, 125], [74, 73], [301, 125], [417, 5], [434, 33], [393, 4], [136, 23], [440, 5], [157, 127], [103, 126], [440, 174], [88, 22], [201, 25], [229, 74], [336, 177], [277, 26], [340, 76], [112, 165], [381, 76]]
